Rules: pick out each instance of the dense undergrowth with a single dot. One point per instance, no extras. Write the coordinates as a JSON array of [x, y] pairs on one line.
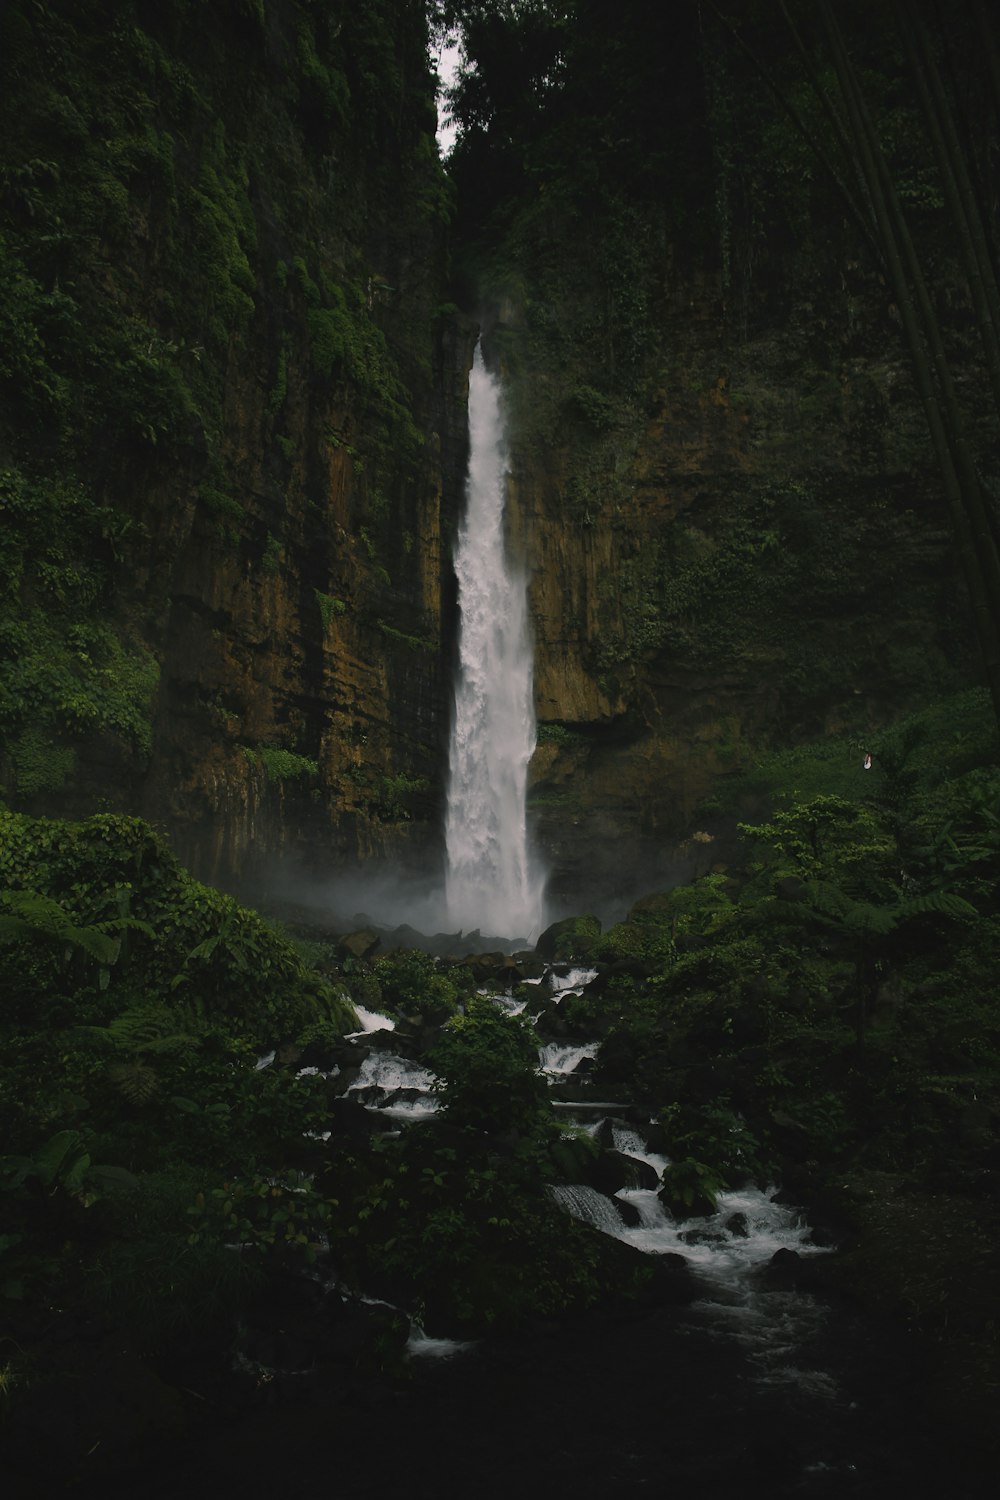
[[832, 1002], [825, 1012]]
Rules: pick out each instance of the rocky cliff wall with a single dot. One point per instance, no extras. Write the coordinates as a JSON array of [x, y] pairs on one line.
[[741, 548], [234, 425], [233, 438]]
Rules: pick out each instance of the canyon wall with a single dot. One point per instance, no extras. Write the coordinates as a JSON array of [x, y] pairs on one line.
[[239, 295], [233, 434]]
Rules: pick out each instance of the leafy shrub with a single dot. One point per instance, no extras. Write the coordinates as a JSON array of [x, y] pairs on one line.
[[284, 765], [487, 1067], [411, 981]]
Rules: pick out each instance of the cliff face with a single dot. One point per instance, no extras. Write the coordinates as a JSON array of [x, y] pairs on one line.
[[746, 548], [233, 437], [722, 483], [752, 552], [231, 441]]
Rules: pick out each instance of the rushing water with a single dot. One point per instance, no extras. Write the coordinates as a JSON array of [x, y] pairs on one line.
[[755, 1388], [490, 881]]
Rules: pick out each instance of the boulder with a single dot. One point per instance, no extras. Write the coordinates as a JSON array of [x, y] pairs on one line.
[[488, 965], [572, 938], [348, 1117], [551, 1025], [629, 1213], [360, 944], [615, 1169], [787, 1270]]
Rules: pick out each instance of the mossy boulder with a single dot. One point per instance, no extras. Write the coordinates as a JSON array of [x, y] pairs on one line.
[[573, 939]]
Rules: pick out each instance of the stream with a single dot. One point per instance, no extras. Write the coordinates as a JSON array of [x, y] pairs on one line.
[[757, 1387]]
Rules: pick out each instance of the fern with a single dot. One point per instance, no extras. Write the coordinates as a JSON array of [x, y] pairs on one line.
[[832, 906], [945, 903], [136, 1080], [149, 1028], [31, 916]]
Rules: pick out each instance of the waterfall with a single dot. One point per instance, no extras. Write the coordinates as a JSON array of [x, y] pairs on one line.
[[490, 883]]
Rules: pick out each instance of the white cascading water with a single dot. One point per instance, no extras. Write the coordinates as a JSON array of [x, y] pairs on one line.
[[490, 882]]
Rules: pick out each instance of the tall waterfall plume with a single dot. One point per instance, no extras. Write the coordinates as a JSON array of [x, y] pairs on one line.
[[491, 883]]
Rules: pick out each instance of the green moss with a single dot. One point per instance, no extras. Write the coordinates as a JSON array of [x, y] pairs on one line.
[[559, 734], [283, 765], [270, 561], [410, 642], [329, 608], [397, 795]]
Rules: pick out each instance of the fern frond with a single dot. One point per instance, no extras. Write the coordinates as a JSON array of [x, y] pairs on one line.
[[149, 1028], [136, 1080], [944, 903], [30, 915], [826, 898]]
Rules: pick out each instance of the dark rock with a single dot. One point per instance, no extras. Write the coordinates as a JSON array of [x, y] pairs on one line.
[[361, 944], [321, 1055], [384, 1040], [629, 1213], [621, 968], [614, 1170], [787, 1270], [738, 1225], [666, 1280], [349, 1330], [571, 938], [551, 1025], [349, 1117], [488, 965], [345, 1079], [370, 1094]]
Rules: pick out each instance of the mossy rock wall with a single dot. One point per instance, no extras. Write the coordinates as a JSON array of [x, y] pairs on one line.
[[226, 448]]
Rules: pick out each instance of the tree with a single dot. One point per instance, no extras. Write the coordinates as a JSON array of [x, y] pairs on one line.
[[487, 1063], [859, 167]]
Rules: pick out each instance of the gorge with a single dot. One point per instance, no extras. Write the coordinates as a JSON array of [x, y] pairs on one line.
[[446, 609]]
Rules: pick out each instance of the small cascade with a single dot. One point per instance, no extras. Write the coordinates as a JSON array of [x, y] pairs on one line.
[[420, 1345], [491, 882], [631, 1143], [724, 1249], [558, 1059], [405, 1087], [372, 1021], [384, 1070], [573, 982], [588, 1204], [714, 1248], [509, 1004]]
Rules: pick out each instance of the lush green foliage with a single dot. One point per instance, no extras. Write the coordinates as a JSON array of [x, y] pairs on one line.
[[836, 1001], [173, 195], [283, 765], [411, 983], [488, 1066], [140, 1135]]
